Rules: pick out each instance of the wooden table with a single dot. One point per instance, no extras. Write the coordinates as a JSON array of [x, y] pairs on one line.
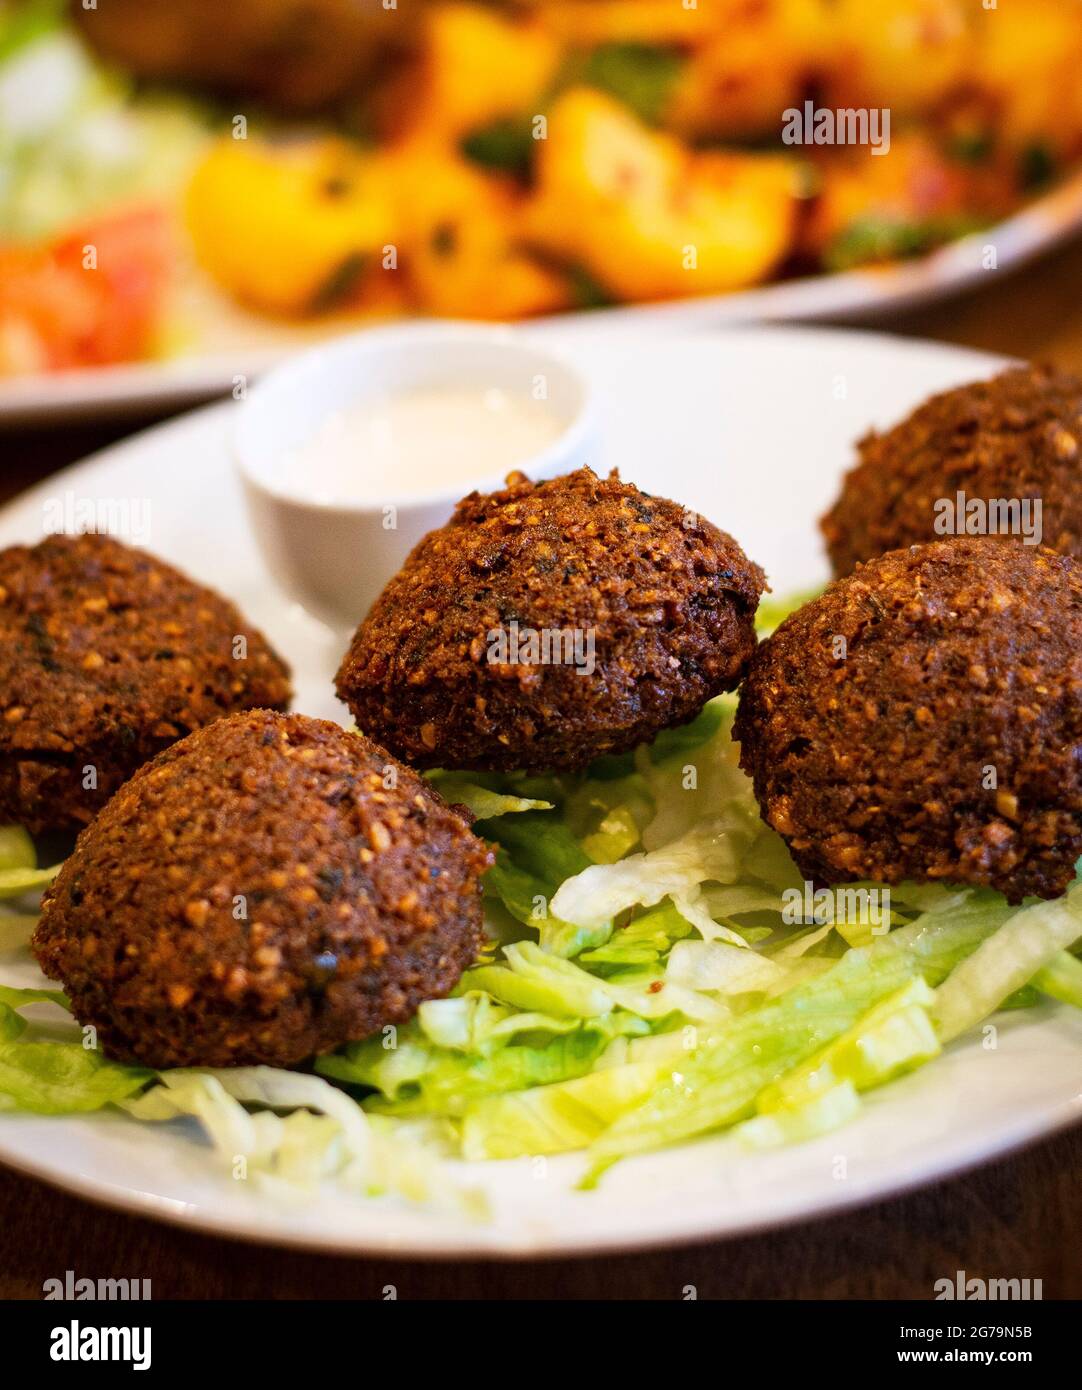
[[1016, 1218]]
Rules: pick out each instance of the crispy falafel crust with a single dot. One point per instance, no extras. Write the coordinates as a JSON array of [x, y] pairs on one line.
[[108, 655], [257, 894], [959, 657], [668, 599], [1018, 435]]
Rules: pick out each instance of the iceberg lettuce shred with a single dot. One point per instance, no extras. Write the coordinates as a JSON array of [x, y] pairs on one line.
[[647, 982]]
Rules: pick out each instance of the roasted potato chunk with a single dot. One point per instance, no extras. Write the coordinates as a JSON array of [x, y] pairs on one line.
[[289, 228], [474, 67], [646, 217], [458, 236]]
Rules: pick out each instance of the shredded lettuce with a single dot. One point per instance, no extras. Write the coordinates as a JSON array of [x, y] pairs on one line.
[[1028, 943], [556, 1118], [17, 883], [893, 1037], [715, 965], [1061, 979], [722, 1078], [825, 1111], [477, 1022], [56, 1078], [16, 849], [643, 941], [708, 851], [418, 1079], [19, 878], [19, 872], [50, 1077], [535, 980], [19, 998], [705, 820], [535, 854], [324, 1134], [772, 612], [649, 985], [484, 804], [287, 1130], [719, 1082]]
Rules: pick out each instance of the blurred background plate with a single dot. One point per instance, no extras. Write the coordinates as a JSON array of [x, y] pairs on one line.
[[187, 192], [249, 346]]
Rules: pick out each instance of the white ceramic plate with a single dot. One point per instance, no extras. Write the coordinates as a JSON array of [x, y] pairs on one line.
[[234, 343], [753, 429]]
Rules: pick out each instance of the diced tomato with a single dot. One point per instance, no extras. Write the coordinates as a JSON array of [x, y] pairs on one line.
[[92, 296]]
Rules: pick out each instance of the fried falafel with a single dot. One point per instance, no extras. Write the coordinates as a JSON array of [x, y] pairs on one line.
[[922, 719], [289, 55], [547, 624], [1009, 440], [108, 655], [263, 891]]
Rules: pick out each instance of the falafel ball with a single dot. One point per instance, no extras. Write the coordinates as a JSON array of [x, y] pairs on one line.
[[922, 719], [547, 624], [289, 55], [1016, 436], [263, 891], [107, 656]]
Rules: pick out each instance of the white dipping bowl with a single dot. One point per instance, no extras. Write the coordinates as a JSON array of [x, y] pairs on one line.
[[334, 557]]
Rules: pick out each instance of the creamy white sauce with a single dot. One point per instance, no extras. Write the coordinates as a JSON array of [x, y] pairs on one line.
[[429, 439]]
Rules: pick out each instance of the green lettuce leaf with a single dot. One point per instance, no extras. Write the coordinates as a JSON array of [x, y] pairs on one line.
[[473, 1021], [556, 1118], [772, 612], [60, 1078], [720, 1082], [893, 1037], [418, 1079], [1061, 979], [721, 967], [710, 850], [51, 1077], [643, 941], [535, 980], [19, 998], [1028, 943], [16, 849], [535, 855], [457, 789], [323, 1134], [826, 1110], [16, 883]]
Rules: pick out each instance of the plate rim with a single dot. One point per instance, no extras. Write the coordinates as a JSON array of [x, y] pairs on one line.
[[698, 1227], [854, 295], [196, 1220]]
